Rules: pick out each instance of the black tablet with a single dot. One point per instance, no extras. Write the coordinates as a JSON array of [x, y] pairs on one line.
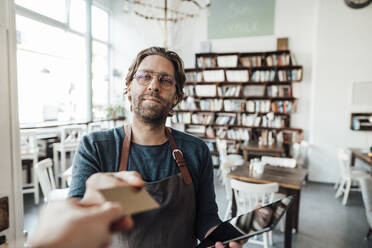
[[257, 221]]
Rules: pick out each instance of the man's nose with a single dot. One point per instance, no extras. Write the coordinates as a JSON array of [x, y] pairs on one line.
[[154, 84]]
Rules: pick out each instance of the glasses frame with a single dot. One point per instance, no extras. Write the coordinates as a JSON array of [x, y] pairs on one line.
[[158, 76]]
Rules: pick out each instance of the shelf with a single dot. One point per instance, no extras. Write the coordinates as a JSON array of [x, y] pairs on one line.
[[246, 83], [247, 98], [223, 111], [249, 127], [253, 68], [361, 122]]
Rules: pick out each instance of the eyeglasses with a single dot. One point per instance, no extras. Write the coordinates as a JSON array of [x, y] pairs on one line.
[[143, 78]]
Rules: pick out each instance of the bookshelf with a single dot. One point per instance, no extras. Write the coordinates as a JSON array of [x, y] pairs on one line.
[[361, 121], [243, 98]]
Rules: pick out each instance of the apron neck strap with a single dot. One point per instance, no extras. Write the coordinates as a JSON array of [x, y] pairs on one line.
[[176, 153]]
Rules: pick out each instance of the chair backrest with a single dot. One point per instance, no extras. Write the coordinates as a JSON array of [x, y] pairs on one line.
[[343, 162], [277, 161], [300, 151], [222, 149], [67, 174], [226, 168], [72, 134], [96, 126], [250, 195], [45, 175], [28, 142], [366, 188]]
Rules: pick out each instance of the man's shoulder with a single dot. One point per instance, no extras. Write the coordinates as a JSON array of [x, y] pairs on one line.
[[188, 138], [104, 135]]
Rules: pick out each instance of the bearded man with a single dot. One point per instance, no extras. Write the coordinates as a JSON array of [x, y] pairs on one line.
[[175, 167]]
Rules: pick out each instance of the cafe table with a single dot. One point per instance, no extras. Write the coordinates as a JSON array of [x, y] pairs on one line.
[[361, 154], [290, 182]]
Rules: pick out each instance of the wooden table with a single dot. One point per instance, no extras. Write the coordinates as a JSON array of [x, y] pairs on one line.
[[274, 150], [360, 154], [290, 182]]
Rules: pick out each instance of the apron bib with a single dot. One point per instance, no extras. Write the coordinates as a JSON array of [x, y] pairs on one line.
[[171, 225]]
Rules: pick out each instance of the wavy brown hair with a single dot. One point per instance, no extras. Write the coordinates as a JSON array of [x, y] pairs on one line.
[[173, 57]]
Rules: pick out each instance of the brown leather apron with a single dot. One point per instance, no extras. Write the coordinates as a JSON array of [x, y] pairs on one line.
[[171, 225]]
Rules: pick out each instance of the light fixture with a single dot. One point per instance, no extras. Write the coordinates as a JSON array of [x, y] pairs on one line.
[[167, 11]]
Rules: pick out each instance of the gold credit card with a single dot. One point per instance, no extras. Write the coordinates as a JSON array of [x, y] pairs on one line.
[[131, 199]]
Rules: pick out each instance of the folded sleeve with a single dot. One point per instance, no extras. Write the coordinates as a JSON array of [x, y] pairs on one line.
[[85, 164]]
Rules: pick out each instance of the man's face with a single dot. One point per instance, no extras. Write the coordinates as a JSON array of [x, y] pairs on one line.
[[153, 102]]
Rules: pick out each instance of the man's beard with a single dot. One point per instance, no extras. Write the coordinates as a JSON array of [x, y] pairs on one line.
[[152, 113]]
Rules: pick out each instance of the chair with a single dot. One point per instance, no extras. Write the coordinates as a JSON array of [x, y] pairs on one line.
[[30, 150], [44, 171], [300, 153], [348, 176], [236, 159], [250, 195], [70, 138], [366, 188], [226, 167], [96, 126]]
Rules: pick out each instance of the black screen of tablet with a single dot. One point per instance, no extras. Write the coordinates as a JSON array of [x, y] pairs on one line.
[[247, 225]]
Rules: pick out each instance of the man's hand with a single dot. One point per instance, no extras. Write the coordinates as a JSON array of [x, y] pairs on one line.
[[71, 223], [231, 245]]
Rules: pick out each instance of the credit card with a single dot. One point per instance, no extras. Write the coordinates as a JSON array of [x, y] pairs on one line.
[[132, 200]]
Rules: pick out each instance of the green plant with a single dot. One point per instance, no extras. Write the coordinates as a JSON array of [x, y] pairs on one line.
[[115, 111]]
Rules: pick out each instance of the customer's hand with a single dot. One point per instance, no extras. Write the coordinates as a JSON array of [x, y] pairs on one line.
[[109, 180], [99, 181], [73, 224]]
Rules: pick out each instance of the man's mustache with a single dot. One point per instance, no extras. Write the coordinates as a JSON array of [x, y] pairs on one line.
[[154, 95]]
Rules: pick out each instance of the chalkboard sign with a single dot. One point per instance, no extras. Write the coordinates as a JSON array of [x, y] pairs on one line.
[[240, 18]]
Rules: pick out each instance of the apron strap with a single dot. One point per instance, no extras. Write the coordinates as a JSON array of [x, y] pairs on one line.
[[178, 156], [176, 153], [126, 148]]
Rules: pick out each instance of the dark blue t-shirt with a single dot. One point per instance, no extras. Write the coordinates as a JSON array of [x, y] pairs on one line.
[[101, 152]]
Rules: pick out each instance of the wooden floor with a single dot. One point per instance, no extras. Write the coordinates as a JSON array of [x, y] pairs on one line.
[[324, 221]]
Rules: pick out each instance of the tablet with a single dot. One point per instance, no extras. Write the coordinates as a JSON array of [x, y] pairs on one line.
[[247, 225]]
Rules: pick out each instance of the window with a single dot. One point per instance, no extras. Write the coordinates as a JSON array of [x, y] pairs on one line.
[[52, 75], [55, 9]]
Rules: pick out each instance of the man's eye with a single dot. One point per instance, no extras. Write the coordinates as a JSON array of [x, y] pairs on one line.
[[144, 76], [166, 80]]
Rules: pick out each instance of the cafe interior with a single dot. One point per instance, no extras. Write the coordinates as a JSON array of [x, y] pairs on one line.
[[280, 91]]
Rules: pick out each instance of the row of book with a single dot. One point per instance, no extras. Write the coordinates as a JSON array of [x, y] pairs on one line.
[[263, 76], [244, 76], [286, 107], [289, 75], [249, 120], [278, 60], [279, 91], [283, 59], [248, 91], [253, 106]]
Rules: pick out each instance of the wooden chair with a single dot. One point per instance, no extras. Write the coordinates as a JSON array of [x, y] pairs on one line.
[[30, 151], [44, 171], [348, 176], [70, 139], [248, 196]]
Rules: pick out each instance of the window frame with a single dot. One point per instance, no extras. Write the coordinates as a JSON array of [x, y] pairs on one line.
[[65, 26]]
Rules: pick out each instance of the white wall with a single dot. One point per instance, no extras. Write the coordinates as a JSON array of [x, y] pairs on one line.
[[330, 40], [343, 55], [10, 166]]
